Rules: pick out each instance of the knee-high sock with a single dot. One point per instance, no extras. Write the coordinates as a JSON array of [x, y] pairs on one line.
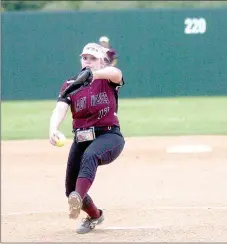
[[82, 186], [90, 208]]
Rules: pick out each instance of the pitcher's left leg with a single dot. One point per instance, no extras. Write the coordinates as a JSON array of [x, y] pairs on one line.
[[104, 150], [94, 216]]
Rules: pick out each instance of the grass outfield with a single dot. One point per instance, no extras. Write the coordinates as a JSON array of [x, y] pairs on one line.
[[138, 117]]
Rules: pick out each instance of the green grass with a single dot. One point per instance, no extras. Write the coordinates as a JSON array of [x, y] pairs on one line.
[[138, 117]]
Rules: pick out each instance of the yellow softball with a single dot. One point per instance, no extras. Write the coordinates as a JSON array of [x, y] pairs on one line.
[[60, 142]]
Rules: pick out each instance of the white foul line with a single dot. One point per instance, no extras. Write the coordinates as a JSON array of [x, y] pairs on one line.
[[131, 227], [151, 208]]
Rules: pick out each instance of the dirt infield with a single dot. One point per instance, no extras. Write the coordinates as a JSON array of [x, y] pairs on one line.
[[148, 194]]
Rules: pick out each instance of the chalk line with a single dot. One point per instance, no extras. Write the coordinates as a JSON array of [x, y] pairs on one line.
[[130, 227]]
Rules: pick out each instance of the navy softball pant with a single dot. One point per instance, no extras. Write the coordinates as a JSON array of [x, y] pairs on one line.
[[85, 157]]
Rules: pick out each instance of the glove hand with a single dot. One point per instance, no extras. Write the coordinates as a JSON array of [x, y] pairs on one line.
[[85, 77], [89, 77], [54, 137]]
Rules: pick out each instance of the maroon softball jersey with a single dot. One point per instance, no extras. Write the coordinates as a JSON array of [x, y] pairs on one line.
[[94, 105]]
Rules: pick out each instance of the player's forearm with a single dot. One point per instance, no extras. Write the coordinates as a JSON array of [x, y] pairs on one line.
[[58, 116], [108, 73]]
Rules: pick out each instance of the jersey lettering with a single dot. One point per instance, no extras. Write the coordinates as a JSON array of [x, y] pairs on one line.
[[81, 104], [100, 98]]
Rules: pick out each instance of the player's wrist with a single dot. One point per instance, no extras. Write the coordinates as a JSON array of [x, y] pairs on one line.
[[52, 130], [95, 76]]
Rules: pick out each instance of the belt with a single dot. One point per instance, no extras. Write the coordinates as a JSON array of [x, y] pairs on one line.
[[98, 129]]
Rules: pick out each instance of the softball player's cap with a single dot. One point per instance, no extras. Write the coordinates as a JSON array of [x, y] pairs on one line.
[[95, 50], [104, 39]]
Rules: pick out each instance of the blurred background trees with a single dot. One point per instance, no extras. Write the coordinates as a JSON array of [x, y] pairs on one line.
[[103, 5]]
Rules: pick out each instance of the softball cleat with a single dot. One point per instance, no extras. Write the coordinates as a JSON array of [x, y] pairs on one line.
[[88, 224], [75, 204]]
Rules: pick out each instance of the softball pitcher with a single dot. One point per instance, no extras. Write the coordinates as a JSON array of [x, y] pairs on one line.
[[92, 96]]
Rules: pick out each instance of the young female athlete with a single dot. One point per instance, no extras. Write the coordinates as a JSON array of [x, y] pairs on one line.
[[92, 96]]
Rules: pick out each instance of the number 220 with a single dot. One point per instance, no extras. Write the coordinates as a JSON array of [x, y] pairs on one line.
[[195, 26]]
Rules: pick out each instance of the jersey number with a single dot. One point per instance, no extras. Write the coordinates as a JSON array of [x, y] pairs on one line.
[[103, 112]]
